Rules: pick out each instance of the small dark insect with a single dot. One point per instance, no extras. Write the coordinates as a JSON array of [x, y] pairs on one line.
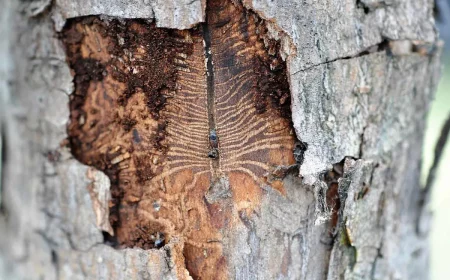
[[214, 144], [213, 141], [159, 241], [213, 153], [299, 152]]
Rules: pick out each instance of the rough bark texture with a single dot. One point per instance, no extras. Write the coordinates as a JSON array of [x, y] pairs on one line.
[[361, 75]]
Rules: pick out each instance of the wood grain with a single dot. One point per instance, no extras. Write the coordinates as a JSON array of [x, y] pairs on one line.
[[146, 100]]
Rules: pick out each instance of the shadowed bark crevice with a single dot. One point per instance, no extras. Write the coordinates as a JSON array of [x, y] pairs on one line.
[[3, 162]]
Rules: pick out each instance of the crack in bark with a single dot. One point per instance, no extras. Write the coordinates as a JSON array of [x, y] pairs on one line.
[[386, 45], [425, 195], [382, 46], [360, 152], [438, 153], [369, 8], [3, 160]]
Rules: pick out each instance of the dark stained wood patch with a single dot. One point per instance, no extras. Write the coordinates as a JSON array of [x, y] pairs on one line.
[[145, 104]]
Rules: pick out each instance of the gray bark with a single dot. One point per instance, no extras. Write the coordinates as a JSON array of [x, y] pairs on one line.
[[362, 76]]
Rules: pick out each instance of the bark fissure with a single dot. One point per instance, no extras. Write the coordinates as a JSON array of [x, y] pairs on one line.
[[380, 47], [425, 195], [3, 161], [391, 47], [438, 153]]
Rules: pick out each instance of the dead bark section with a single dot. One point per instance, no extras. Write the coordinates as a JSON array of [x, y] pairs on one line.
[[145, 104]]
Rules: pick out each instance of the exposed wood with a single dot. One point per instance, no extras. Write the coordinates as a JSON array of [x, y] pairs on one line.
[[146, 101]]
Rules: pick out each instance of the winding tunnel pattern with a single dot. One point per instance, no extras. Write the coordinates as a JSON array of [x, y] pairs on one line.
[[144, 104]]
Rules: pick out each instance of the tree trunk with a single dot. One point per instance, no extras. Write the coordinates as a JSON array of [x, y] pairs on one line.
[[215, 139]]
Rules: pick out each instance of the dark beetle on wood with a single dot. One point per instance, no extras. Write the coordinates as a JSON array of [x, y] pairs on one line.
[[213, 141]]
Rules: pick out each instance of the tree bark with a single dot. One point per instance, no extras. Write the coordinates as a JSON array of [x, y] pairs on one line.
[[339, 89]]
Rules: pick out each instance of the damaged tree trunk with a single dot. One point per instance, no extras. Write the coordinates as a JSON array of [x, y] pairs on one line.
[[215, 139]]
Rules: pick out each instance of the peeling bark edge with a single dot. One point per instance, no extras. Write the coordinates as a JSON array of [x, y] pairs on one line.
[[168, 14]]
